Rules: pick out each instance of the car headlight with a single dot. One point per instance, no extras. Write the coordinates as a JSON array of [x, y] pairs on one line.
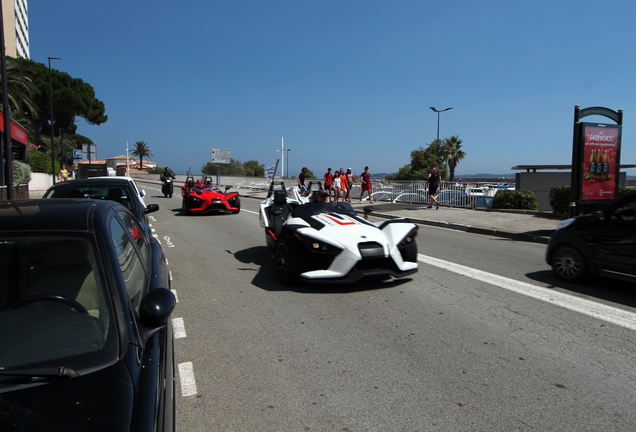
[[565, 223], [318, 246], [410, 238]]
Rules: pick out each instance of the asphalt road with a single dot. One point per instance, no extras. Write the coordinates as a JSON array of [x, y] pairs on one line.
[[482, 338]]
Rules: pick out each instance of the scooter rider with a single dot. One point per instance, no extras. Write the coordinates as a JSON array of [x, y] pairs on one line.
[[167, 174], [167, 187]]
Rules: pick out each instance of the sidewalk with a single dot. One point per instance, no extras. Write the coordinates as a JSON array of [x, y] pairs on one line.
[[517, 225]]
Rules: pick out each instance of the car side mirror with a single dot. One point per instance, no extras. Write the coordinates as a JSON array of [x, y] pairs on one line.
[[156, 308], [367, 211], [151, 208], [227, 188]]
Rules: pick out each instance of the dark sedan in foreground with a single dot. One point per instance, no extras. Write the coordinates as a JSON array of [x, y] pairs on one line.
[[84, 307], [601, 243]]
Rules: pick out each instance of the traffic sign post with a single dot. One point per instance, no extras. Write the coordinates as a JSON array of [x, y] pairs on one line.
[[220, 156]]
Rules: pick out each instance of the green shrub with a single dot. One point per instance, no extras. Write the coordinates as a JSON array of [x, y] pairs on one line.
[[41, 162], [560, 200], [21, 173], [156, 170], [515, 199]]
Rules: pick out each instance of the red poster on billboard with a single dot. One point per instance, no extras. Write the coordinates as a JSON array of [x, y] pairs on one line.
[[601, 152]]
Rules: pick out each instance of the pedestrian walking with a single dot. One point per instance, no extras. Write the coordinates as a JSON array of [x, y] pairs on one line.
[[328, 182], [434, 182], [365, 180], [337, 185], [63, 174], [351, 179], [301, 181]]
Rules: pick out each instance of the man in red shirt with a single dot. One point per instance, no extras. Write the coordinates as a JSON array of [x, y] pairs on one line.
[[328, 182], [365, 180]]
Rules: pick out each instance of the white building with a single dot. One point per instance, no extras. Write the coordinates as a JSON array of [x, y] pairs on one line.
[[15, 15]]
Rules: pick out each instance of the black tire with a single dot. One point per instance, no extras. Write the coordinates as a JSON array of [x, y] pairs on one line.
[[289, 261], [269, 240], [568, 264], [410, 252], [237, 204], [170, 194], [184, 208]]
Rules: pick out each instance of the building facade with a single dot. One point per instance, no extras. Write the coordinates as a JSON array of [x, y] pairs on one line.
[[15, 15]]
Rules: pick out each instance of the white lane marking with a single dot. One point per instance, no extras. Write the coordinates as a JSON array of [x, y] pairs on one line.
[[178, 328], [186, 375], [603, 312], [168, 241], [250, 211]]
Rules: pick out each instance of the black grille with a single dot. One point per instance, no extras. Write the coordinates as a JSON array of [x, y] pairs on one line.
[[371, 250]]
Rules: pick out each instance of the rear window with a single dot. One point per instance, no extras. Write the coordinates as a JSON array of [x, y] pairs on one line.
[[118, 193]]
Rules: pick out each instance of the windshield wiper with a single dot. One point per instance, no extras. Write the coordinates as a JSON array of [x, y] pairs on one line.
[[48, 372]]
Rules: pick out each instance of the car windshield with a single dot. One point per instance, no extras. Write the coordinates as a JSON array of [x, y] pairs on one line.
[[54, 310], [310, 209], [119, 193], [209, 187]]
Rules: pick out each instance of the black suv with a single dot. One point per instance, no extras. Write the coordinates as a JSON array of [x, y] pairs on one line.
[[600, 243]]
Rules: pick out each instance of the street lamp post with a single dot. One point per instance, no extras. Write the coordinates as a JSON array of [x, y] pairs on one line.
[[439, 111], [52, 137], [286, 150], [282, 151]]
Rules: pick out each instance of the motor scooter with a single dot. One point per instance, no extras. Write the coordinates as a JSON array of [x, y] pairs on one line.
[[167, 188]]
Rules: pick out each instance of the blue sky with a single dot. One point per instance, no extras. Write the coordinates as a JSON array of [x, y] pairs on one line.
[[346, 83]]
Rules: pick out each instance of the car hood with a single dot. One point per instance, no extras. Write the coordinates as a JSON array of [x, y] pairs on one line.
[[343, 230], [99, 401]]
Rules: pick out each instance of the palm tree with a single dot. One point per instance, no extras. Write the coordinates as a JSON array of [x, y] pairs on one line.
[[453, 147], [142, 151], [21, 89]]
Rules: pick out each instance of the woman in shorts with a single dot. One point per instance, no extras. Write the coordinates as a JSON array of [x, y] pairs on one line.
[[337, 185]]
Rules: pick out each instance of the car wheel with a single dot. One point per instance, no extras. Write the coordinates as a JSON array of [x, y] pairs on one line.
[[410, 252], [237, 204], [568, 264], [269, 240], [289, 261], [184, 208]]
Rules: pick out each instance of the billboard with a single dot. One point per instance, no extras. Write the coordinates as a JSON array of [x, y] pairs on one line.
[[600, 159]]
